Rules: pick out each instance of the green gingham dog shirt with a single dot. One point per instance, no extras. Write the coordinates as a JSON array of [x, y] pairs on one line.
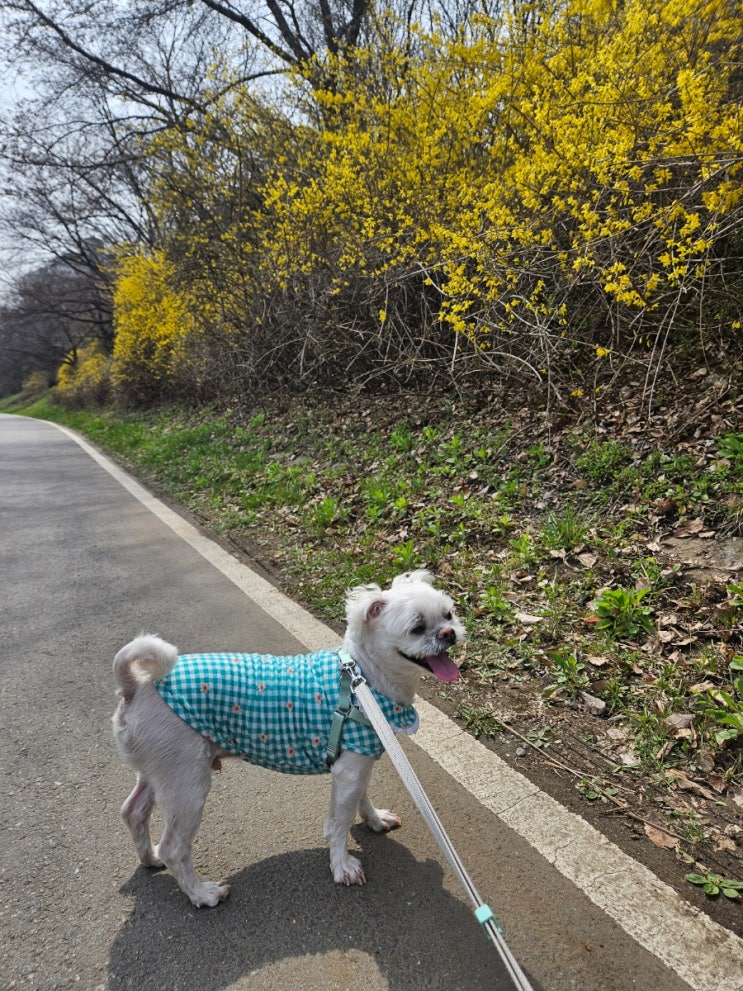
[[273, 711]]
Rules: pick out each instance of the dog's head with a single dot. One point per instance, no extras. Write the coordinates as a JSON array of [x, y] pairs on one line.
[[398, 634]]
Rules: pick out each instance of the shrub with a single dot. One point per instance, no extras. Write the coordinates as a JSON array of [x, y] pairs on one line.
[[37, 383], [151, 322], [84, 378]]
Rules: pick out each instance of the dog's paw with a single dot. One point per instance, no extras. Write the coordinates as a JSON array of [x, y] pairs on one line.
[[381, 820], [210, 893], [349, 872], [151, 860]]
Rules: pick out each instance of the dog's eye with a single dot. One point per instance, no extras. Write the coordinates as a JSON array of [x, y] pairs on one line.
[[417, 630], [448, 616]]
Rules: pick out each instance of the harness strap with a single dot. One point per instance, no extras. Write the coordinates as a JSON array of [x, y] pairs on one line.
[[344, 710]]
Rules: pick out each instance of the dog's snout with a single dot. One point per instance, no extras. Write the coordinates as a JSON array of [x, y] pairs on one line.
[[447, 635]]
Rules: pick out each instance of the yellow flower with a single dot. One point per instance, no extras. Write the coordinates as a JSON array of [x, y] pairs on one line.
[[602, 352]]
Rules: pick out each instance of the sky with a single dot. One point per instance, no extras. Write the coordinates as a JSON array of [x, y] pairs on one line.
[[14, 258]]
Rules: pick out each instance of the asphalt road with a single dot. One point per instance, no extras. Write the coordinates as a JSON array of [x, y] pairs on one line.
[[85, 566]]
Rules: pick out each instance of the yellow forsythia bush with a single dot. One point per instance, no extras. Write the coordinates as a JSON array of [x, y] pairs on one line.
[[555, 184], [84, 378], [36, 383], [601, 145], [151, 323]]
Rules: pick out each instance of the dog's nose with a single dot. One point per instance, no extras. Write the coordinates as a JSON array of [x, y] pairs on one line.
[[447, 635]]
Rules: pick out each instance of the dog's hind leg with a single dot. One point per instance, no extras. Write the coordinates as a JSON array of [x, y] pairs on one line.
[[136, 812], [182, 810]]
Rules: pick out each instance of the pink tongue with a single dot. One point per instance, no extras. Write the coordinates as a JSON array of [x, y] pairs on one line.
[[443, 667]]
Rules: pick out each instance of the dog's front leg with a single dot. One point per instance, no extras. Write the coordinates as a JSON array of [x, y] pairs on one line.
[[351, 774]]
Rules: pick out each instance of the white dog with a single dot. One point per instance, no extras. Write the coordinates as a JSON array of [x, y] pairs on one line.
[[179, 716]]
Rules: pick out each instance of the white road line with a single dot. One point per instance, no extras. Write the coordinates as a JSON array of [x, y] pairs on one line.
[[707, 956]]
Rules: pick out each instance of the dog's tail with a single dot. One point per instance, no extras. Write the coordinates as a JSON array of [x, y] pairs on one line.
[[150, 654]]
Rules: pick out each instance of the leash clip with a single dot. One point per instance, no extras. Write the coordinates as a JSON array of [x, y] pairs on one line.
[[349, 664], [357, 679]]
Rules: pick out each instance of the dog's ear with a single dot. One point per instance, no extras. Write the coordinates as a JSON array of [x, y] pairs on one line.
[[375, 608], [359, 602], [411, 577]]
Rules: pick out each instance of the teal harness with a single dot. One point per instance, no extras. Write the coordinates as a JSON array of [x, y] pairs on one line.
[[345, 708]]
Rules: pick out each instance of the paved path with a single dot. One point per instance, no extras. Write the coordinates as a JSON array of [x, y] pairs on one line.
[[89, 559]]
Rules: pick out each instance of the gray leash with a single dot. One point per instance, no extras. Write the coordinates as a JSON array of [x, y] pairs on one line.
[[483, 913]]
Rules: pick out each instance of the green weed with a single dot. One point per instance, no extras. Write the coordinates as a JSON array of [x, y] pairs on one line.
[[401, 439], [725, 708], [405, 555], [538, 457], [496, 606], [378, 494], [689, 827], [571, 676], [479, 720], [565, 530], [325, 514], [650, 737], [735, 595], [619, 613], [603, 461], [540, 737], [594, 788], [522, 547], [730, 447], [615, 692], [652, 575], [715, 884]]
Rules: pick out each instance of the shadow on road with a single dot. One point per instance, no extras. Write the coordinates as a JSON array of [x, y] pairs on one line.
[[286, 908]]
